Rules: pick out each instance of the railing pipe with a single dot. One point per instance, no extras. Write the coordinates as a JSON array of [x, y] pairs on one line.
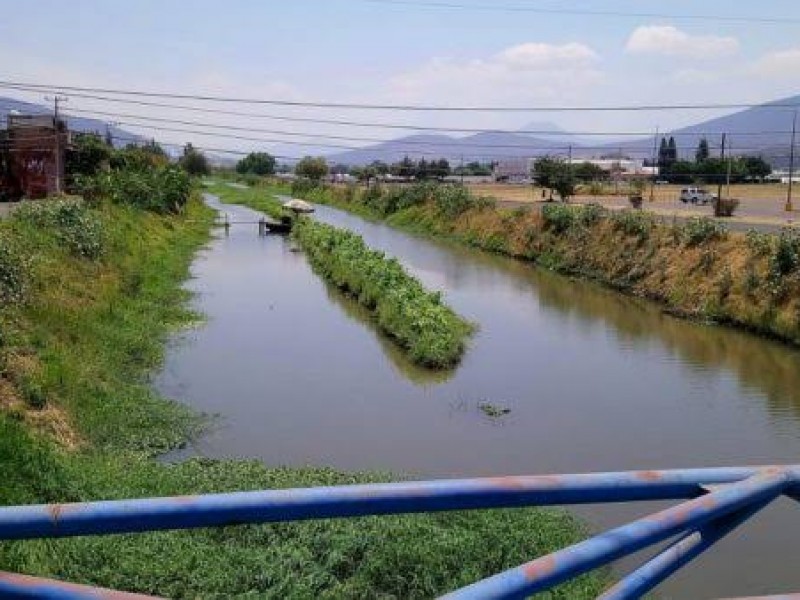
[[580, 558], [122, 516], [640, 581], [24, 587]]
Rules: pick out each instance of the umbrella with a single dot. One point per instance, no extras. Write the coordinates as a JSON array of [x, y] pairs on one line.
[[298, 206]]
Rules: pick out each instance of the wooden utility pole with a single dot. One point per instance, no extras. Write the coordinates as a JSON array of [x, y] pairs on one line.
[[654, 166], [789, 206], [57, 100], [722, 157]]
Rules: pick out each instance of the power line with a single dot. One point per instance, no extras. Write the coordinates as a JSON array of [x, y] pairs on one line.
[[382, 140], [581, 12], [396, 107], [386, 125]]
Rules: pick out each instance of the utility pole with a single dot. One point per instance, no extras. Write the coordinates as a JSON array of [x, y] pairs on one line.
[[57, 145], [722, 157], [569, 164], [654, 166], [789, 206]]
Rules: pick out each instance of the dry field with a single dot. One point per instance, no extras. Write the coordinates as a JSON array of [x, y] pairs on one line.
[[774, 192]]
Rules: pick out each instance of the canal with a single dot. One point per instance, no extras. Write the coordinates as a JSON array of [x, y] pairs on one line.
[[297, 375]]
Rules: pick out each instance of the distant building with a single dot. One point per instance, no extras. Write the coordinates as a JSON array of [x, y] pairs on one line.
[[782, 176], [515, 170], [33, 149], [624, 167]]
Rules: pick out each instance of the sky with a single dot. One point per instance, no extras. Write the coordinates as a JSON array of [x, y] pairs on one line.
[[363, 51]]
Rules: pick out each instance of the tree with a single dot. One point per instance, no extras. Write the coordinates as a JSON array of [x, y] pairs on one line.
[[193, 161], [682, 172], [702, 152], [406, 168], [139, 158], [422, 169], [88, 155], [313, 168], [587, 171], [441, 168], [663, 155], [556, 175], [257, 163], [672, 150], [756, 167], [379, 167]]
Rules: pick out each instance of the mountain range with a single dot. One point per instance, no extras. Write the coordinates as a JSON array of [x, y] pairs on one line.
[[764, 130]]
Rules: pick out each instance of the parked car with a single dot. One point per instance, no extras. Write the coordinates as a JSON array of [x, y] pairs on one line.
[[696, 195]]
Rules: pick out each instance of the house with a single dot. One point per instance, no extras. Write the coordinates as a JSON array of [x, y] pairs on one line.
[[33, 149]]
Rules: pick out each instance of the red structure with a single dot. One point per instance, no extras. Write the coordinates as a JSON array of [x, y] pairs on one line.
[[32, 153]]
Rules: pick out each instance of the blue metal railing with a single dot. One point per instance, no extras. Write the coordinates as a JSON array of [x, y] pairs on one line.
[[717, 501]]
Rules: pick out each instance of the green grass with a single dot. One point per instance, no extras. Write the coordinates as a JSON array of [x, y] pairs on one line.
[[260, 198], [83, 344]]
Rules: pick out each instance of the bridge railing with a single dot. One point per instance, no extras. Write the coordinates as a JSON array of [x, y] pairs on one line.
[[716, 501]]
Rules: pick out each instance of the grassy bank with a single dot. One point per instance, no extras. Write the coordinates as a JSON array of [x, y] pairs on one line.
[[258, 197], [89, 297], [431, 333], [695, 268]]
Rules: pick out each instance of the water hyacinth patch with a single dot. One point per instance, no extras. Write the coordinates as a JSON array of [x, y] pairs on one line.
[[432, 334]]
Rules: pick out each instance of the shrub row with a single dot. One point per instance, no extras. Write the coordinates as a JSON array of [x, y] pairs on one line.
[[450, 200], [431, 333], [163, 190]]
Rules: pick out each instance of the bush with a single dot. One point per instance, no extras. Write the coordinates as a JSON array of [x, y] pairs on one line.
[[452, 200], [698, 230], [558, 218], [162, 190], [725, 207], [634, 223], [760, 244], [590, 214], [14, 271], [786, 257], [71, 221]]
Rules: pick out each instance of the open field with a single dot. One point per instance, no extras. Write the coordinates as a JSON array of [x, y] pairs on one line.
[[771, 192], [761, 206]]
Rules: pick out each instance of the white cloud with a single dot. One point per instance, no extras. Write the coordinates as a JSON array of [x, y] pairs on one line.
[[666, 40], [530, 72], [536, 56], [783, 63]]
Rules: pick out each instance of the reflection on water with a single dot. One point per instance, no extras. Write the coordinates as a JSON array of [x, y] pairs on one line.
[[400, 361], [594, 380]]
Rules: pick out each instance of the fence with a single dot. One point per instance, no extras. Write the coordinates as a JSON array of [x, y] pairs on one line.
[[716, 501]]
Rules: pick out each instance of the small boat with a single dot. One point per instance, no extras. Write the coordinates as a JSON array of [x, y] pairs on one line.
[[298, 206]]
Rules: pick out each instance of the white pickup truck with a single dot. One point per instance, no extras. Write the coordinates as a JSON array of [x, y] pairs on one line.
[[695, 195]]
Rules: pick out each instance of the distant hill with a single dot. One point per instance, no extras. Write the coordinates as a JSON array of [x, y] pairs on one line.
[[763, 130], [122, 137], [480, 146]]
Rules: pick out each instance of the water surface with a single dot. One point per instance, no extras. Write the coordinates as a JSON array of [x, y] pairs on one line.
[[594, 380]]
